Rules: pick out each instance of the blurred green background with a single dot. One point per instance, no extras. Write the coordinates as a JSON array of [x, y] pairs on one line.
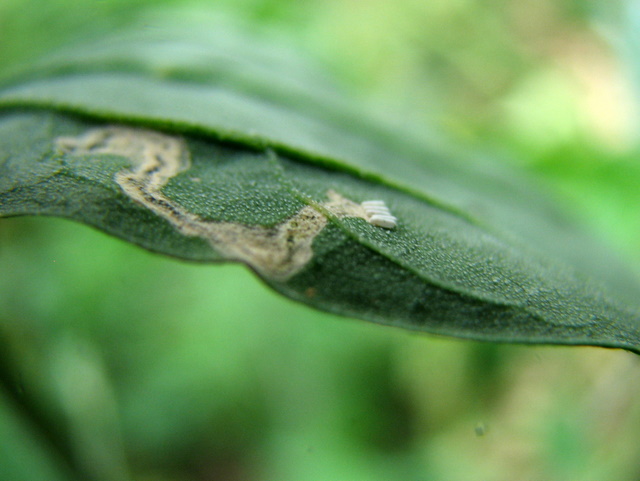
[[130, 366]]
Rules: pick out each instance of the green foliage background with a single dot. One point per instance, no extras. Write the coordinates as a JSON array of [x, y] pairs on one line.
[[158, 370]]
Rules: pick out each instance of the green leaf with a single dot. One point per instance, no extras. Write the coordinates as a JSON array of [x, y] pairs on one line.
[[211, 146]]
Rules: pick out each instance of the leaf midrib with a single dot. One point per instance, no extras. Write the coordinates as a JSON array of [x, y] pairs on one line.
[[260, 145]]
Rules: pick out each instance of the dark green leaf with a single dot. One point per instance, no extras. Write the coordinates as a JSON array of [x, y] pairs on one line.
[[214, 147]]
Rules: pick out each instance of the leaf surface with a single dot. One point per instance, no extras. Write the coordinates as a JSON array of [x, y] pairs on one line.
[[212, 146]]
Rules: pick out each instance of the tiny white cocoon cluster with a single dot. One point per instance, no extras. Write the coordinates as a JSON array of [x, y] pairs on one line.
[[378, 214]]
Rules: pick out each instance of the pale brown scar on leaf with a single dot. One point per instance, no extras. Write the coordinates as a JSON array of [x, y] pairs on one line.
[[276, 252]]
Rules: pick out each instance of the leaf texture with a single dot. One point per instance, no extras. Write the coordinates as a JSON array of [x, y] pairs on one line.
[[213, 146]]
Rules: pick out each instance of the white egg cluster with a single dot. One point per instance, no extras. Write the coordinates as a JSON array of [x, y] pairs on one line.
[[378, 214]]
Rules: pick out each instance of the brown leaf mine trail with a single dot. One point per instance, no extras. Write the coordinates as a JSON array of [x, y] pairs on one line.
[[276, 252]]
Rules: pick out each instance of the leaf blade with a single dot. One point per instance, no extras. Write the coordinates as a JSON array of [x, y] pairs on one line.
[[475, 255]]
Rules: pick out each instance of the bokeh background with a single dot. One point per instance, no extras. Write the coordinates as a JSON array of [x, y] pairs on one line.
[[121, 365]]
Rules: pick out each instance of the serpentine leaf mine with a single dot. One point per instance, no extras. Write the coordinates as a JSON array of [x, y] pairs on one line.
[[277, 252]]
